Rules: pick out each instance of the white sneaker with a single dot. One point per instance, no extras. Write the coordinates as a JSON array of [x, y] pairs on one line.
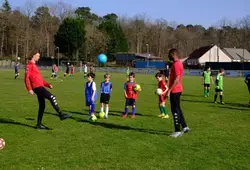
[[176, 134], [106, 116], [185, 130]]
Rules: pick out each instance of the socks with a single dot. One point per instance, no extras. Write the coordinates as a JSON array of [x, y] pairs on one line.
[[164, 110], [207, 91], [92, 110], [221, 98], [126, 110], [107, 110], [101, 110], [160, 107], [133, 110], [215, 97]]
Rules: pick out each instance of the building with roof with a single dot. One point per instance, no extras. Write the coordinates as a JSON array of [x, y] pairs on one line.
[[211, 53], [237, 54]]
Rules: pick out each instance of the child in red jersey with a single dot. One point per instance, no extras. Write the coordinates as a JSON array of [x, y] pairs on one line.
[[162, 84], [130, 95], [72, 71]]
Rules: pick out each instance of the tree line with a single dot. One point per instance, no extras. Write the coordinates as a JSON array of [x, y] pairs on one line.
[[79, 34]]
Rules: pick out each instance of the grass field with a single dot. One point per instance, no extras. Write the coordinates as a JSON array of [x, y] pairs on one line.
[[220, 136]]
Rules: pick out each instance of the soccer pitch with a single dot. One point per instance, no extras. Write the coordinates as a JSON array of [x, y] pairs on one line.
[[219, 137]]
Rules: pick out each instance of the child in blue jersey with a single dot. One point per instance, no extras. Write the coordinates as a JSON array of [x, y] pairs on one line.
[[106, 89], [91, 93]]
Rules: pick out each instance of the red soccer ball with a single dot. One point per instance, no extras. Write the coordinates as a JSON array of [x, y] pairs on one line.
[[2, 143]]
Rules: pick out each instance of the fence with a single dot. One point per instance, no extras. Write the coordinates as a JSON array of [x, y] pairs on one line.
[[188, 72]]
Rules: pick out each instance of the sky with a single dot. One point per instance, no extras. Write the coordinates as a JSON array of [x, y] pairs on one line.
[[202, 12]]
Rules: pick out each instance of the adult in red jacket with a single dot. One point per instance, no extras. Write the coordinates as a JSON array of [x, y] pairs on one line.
[[36, 84]]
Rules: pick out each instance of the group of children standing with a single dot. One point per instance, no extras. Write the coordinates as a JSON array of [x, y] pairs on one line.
[[207, 79], [91, 94], [130, 94]]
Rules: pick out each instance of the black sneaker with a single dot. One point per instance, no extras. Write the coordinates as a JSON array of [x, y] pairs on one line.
[[64, 116], [42, 127]]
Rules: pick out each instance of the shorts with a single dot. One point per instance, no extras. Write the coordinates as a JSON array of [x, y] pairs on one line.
[[105, 98], [162, 98], [89, 102], [218, 90], [206, 85], [130, 102]]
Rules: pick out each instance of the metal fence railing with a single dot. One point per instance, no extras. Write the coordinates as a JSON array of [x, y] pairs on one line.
[[188, 72]]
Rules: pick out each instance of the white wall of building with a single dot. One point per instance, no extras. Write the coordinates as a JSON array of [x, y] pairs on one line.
[[215, 54]]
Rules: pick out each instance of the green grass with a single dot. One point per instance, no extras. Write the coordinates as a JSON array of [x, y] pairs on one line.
[[219, 139]]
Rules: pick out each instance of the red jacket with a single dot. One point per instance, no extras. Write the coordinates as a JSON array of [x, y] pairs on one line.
[[33, 77], [130, 90]]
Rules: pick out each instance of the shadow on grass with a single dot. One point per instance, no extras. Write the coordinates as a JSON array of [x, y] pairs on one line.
[[29, 118], [13, 122], [192, 95], [238, 105], [196, 101], [229, 107], [111, 112], [118, 127]]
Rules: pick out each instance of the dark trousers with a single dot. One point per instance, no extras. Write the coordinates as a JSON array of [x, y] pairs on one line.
[[179, 120], [43, 94]]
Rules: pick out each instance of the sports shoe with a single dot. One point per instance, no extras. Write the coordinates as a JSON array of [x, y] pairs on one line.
[[222, 103], [124, 115], [106, 116], [215, 102], [185, 130], [42, 127], [64, 116], [165, 117], [133, 117], [161, 115], [176, 134]]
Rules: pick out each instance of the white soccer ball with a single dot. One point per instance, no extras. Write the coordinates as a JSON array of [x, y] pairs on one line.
[[18, 58], [158, 91], [2, 143]]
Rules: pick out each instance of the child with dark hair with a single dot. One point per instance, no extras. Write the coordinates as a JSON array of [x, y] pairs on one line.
[[219, 86], [91, 93], [207, 79], [130, 95]]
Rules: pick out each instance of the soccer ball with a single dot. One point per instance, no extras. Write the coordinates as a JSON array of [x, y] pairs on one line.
[[18, 58], [101, 115], [102, 58], [137, 87], [93, 118], [158, 91], [2, 143]]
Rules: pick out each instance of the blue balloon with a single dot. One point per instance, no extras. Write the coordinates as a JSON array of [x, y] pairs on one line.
[[102, 58]]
